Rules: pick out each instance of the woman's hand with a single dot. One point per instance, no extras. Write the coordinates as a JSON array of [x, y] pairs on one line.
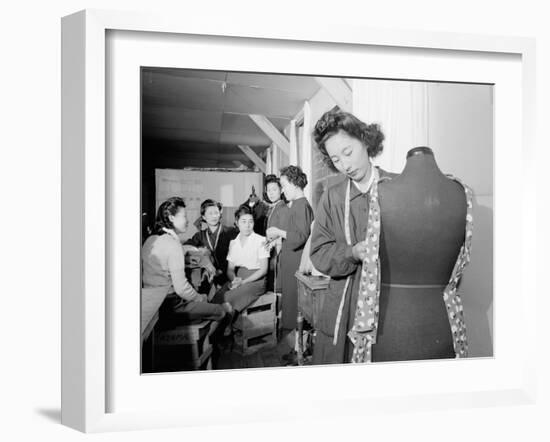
[[274, 233], [359, 250], [202, 297], [268, 245], [187, 248], [236, 282]]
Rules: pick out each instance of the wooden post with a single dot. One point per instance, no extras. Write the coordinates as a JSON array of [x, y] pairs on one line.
[[269, 161], [306, 154], [276, 165], [293, 151]]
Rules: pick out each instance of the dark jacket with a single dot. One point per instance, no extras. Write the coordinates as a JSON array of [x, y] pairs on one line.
[[219, 254], [331, 255]]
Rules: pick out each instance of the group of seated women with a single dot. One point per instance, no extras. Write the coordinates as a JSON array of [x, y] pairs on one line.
[[244, 264]]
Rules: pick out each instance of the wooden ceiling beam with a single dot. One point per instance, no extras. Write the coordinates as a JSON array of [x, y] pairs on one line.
[[253, 156], [271, 131], [339, 90]]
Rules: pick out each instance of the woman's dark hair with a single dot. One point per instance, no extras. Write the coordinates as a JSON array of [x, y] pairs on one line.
[[273, 179], [295, 175], [243, 210], [210, 203], [336, 120], [169, 207]]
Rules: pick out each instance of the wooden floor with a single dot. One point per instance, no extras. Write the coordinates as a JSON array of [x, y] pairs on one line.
[[225, 357], [266, 357]]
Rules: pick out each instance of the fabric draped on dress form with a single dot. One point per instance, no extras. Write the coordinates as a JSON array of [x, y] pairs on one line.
[[365, 325]]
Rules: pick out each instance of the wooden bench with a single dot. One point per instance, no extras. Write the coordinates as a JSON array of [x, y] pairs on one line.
[[188, 345], [256, 327]]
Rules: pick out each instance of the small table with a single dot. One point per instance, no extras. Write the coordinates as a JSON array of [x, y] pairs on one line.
[[311, 291]]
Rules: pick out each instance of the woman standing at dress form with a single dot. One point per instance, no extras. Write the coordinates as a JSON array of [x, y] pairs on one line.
[[337, 243], [276, 217], [294, 238]]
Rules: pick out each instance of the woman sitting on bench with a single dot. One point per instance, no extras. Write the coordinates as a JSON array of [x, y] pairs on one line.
[[163, 261], [247, 264]]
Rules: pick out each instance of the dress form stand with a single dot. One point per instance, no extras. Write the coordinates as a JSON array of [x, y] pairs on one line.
[[423, 218]]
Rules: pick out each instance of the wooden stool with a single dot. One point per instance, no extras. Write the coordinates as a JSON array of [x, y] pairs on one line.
[[189, 344], [256, 327]]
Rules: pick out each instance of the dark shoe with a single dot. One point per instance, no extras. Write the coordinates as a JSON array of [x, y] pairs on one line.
[[291, 356], [230, 317]]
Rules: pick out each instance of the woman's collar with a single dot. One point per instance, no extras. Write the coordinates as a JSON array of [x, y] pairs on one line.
[[374, 175], [240, 235], [171, 232], [215, 230]]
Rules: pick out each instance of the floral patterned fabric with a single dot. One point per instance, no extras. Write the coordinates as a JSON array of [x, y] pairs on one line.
[[453, 303], [364, 330]]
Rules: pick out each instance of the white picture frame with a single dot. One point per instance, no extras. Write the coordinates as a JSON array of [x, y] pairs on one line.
[[85, 217]]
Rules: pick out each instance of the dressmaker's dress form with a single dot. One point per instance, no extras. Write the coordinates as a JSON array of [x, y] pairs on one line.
[[423, 219]]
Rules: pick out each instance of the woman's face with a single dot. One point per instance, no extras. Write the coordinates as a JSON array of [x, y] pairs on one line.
[[245, 224], [273, 192], [212, 216], [349, 156], [289, 189], [179, 220]]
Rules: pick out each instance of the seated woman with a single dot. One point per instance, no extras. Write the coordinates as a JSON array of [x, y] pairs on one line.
[[215, 238], [163, 262], [247, 264]]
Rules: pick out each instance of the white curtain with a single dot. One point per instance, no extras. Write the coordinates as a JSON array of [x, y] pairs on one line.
[[401, 109]]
